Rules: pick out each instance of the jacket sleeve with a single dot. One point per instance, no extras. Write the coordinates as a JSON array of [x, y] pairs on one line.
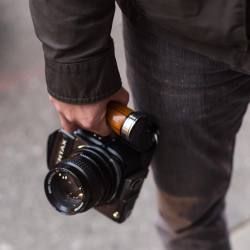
[[80, 64]]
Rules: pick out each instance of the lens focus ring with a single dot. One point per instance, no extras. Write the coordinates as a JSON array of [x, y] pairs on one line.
[[88, 169]]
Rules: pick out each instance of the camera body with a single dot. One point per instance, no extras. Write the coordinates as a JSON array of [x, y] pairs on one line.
[[88, 170]]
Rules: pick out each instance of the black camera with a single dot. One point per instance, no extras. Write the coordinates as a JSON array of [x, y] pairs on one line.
[[88, 170]]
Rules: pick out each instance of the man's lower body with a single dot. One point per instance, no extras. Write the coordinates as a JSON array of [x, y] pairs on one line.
[[199, 105]]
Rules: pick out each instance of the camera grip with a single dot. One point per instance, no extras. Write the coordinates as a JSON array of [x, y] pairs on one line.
[[116, 116], [135, 127]]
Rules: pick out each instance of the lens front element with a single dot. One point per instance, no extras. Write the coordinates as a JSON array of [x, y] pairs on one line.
[[65, 191]]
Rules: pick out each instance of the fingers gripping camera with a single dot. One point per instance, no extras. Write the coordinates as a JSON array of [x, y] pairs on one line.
[[90, 171]]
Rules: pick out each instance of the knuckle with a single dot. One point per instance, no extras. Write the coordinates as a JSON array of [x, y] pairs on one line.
[[59, 110], [89, 124], [69, 117]]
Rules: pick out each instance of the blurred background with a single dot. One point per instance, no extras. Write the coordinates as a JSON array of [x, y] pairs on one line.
[[27, 221]]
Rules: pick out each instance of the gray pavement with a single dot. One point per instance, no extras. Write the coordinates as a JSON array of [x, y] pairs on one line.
[[26, 118]]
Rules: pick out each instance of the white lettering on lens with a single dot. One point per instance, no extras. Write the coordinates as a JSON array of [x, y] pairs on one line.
[[61, 151]]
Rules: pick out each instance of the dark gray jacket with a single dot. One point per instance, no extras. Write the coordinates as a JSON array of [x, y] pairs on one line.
[[79, 52]]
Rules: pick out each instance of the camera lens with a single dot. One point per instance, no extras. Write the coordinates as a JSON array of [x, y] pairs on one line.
[[87, 179], [68, 191]]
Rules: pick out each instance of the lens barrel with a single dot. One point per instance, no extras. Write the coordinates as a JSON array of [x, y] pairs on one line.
[[86, 179]]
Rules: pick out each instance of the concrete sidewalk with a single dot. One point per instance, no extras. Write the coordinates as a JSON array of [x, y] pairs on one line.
[[240, 236], [27, 222]]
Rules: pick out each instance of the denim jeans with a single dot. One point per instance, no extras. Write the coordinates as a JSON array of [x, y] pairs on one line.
[[199, 105]]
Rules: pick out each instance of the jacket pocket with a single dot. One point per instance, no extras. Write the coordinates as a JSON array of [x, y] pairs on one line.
[[171, 9]]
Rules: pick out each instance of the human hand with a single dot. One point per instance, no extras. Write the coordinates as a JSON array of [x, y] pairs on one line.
[[90, 116]]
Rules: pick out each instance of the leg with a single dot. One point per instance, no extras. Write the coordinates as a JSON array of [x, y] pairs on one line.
[[199, 105]]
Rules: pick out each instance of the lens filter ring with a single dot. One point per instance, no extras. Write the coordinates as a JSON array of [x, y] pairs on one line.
[[65, 191]]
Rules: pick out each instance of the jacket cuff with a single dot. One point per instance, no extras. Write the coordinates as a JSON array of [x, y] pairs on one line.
[[88, 81]]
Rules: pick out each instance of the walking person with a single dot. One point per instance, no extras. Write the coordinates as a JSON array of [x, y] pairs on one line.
[[188, 66]]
